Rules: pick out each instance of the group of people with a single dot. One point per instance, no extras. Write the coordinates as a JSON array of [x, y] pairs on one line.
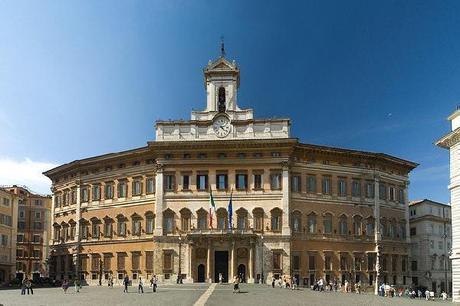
[[286, 282], [26, 285], [428, 295], [140, 287]]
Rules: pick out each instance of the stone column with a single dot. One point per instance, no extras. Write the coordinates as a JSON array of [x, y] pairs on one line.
[[159, 201], [286, 230], [232, 262], [208, 262], [377, 231]]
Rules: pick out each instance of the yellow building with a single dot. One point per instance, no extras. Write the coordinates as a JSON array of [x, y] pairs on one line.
[[8, 221], [297, 209], [33, 233]]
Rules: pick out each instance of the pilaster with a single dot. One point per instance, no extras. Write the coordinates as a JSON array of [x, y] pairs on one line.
[[286, 230], [159, 205]]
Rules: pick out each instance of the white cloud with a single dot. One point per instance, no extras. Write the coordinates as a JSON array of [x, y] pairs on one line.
[[25, 172]]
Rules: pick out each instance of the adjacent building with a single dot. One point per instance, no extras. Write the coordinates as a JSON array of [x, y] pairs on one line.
[[296, 209], [431, 242], [451, 141], [33, 230], [8, 222]]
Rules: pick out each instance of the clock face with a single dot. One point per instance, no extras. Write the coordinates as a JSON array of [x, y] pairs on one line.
[[221, 126]]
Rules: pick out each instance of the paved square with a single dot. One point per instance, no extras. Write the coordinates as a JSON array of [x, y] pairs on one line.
[[198, 294]]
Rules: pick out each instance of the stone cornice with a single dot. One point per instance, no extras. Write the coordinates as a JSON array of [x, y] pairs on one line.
[[449, 140]]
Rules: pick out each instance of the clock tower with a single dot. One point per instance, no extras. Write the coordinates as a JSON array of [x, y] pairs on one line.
[[222, 119]]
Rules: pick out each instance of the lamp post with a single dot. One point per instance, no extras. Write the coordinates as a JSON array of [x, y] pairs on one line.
[[262, 242], [179, 276]]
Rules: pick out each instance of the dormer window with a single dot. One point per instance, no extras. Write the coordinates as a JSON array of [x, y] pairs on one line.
[[221, 105]]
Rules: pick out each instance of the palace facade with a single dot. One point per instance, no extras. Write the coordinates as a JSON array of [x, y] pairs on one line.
[[297, 209]]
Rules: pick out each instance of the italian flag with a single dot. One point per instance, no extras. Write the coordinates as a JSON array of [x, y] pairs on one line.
[[212, 207]]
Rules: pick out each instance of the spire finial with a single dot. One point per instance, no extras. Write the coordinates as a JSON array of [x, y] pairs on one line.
[[222, 47]]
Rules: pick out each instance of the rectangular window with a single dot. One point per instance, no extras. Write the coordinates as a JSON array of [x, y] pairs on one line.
[[20, 238], [202, 182], [432, 244], [149, 260], [413, 231], [150, 185], [36, 238], [6, 202], [137, 187], [371, 261], [370, 190], [440, 245], [167, 261], [276, 261], [84, 194], [275, 181], [96, 193], [169, 182], [108, 192], [221, 181], [185, 182], [312, 262], [4, 240], [356, 188], [382, 191], [326, 185], [121, 261], [327, 263], [73, 194], [122, 186], [135, 260], [341, 187], [295, 183], [257, 181], [241, 181], [413, 265], [296, 262], [401, 195], [311, 185], [392, 193]]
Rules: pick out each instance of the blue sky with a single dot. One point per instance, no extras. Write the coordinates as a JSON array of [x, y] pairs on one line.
[[83, 78]]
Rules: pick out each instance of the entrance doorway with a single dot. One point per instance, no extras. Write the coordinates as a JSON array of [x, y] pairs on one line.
[[221, 265], [201, 271], [242, 272]]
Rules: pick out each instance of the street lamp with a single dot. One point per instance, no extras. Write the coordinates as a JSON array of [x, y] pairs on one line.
[[262, 241], [179, 277]]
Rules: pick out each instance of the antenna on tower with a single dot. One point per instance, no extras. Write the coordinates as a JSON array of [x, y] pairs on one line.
[[222, 47]]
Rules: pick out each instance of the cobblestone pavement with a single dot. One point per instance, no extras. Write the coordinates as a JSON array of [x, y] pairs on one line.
[[189, 295]]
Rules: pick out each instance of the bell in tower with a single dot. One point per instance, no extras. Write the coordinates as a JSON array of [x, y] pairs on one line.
[[221, 99]]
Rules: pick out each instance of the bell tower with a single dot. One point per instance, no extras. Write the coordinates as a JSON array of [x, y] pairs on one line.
[[221, 80]]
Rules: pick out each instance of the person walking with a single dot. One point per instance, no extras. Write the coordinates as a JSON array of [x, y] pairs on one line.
[[29, 286], [23, 286], [77, 285], [273, 282], [65, 285], [140, 288], [126, 283], [111, 282], [154, 282], [236, 284], [221, 278]]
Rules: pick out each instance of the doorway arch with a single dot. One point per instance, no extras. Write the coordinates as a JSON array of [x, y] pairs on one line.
[[242, 272], [201, 272]]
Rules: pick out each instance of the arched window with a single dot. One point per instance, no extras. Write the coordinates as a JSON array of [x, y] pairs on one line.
[[312, 223], [402, 229], [221, 99], [84, 229], [222, 219], [136, 224], [383, 227], [296, 222], [202, 222], [95, 228], [276, 219], [327, 223], [121, 225], [392, 229], [370, 225], [149, 222], [258, 214], [168, 221], [185, 219], [108, 226], [242, 219], [343, 226], [357, 225]]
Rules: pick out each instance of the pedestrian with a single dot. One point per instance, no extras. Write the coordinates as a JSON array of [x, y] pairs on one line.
[[126, 283], [65, 285], [294, 283], [221, 278], [236, 287], [154, 282], [427, 294], [273, 282], [111, 282], [444, 296], [77, 285], [140, 288], [23, 286], [29, 286], [419, 293]]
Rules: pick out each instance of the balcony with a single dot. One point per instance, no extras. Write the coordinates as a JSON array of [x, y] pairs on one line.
[[221, 232]]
